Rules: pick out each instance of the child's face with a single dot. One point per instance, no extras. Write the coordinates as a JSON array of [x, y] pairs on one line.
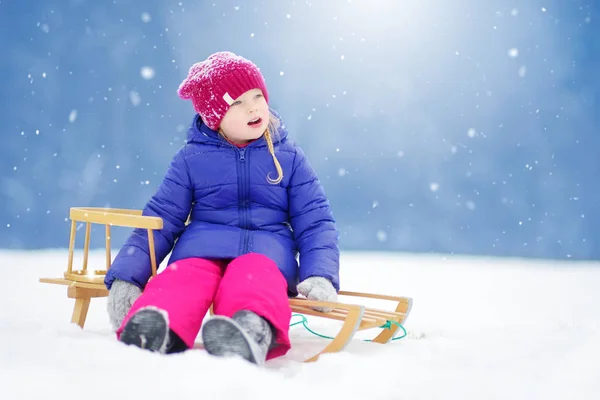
[[247, 117]]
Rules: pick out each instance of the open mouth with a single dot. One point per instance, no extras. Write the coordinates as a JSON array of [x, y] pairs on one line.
[[255, 121]]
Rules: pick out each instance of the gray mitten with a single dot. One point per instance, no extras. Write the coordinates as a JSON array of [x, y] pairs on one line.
[[318, 288], [121, 297]]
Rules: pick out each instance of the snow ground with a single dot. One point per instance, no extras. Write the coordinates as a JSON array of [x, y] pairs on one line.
[[479, 329]]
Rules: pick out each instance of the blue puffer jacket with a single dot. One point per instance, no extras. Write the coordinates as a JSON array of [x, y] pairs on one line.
[[235, 210]]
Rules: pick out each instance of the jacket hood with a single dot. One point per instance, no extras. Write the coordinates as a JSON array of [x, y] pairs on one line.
[[199, 132]]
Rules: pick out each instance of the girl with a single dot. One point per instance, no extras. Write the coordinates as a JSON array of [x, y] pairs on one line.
[[239, 202]]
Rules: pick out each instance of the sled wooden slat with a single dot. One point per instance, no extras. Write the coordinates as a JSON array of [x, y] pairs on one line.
[[370, 313], [56, 281], [116, 217], [77, 292], [403, 306], [87, 283], [84, 285], [108, 217], [388, 315], [372, 318], [339, 314], [354, 315]]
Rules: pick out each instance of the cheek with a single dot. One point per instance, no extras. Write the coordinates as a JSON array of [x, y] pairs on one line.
[[231, 121], [265, 107]]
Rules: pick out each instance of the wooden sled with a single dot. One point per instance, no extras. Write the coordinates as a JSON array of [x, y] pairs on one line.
[[85, 284]]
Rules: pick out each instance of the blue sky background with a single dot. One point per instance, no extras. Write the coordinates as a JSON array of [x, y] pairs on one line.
[[458, 127]]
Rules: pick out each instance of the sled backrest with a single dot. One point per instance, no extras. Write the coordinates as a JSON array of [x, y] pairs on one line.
[[109, 217]]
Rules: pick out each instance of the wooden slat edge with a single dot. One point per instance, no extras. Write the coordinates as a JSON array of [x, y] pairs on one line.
[[106, 217], [56, 281], [374, 296]]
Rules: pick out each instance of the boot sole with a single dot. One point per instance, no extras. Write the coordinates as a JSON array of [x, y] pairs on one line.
[[147, 329], [224, 337]]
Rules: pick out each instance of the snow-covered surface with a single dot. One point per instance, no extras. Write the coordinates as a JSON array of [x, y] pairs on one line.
[[479, 329]]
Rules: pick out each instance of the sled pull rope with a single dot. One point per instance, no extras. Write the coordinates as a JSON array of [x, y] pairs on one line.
[[387, 325]]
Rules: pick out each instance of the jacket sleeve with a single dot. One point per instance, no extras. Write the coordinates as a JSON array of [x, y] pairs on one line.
[[312, 223], [172, 202]]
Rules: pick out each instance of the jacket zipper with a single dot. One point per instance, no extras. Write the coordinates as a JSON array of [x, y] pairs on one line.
[[244, 187]]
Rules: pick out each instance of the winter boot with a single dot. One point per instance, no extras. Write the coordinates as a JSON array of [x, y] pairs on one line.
[[246, 334], [149, 329]]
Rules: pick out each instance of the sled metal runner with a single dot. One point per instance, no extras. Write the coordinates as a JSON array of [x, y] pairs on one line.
[[85, 284]]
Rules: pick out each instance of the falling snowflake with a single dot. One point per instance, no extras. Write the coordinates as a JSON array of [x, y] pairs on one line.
[[135, 98], [147, 72]]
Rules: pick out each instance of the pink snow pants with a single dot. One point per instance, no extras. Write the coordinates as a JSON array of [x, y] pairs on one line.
[[187, 288]]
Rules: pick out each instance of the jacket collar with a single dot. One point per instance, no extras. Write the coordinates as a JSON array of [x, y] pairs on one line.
[[199, 132]]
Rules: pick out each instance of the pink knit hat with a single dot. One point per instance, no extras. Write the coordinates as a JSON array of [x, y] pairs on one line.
[[216, 82]]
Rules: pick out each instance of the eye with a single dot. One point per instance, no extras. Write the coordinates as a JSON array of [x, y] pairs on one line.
[[258, 95], [235, 103]]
